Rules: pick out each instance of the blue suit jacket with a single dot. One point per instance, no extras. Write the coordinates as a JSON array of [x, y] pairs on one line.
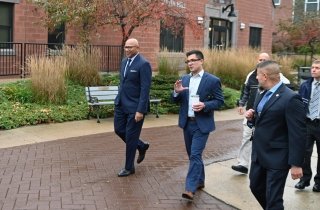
[[134, 88], [280, 130], [210, 93]]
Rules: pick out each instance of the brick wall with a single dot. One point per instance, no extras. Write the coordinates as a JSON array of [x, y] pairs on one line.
[[256, 14], [27, 27], [283, 12]]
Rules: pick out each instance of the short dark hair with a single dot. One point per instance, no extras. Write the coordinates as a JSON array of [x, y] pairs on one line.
[[198, 53]]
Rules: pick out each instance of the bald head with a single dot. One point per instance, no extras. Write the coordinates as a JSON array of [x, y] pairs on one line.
[[132, 42], [263, 57], [131, 47]]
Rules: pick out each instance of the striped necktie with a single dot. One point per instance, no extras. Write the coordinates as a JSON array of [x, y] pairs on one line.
[[314, 102]]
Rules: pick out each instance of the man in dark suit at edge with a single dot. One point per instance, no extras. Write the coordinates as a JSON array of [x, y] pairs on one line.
[[199, 94], [279, 138], [131, 104], [310, 93]]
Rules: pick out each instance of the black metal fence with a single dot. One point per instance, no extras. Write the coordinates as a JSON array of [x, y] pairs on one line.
[[13, 56]]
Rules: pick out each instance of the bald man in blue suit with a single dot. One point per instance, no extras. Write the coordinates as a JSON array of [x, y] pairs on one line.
[[132, 103]]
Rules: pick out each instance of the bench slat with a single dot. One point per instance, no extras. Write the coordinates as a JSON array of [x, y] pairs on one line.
[[100, 92], [103, 88]]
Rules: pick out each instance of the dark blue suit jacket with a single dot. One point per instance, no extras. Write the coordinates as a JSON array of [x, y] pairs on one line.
[[280, 130], [210, 93], [134, 88]]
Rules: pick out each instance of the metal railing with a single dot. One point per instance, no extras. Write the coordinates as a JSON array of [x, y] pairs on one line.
[[11, 59], [13, 56]]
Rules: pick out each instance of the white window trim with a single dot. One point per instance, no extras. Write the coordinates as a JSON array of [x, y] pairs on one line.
[[277, 3], [311, 2]]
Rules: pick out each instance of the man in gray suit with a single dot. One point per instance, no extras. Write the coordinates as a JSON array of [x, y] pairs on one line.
[[279, 138]]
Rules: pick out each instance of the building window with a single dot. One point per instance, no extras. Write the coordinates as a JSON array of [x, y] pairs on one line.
[[311, 5], [6, 22], [276, 2], [56, 37], [219, 34], [172, 41], [255, 37]]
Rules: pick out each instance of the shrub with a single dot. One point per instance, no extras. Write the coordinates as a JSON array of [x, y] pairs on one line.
[[48, 79], [18, 109], [231, 65], [83, 65], [170, 63]]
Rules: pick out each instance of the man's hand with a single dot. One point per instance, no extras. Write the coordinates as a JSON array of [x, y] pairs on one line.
[[178, 86], [198, 106], [241, 110], [296, 172], [249, 114], [138, 116]]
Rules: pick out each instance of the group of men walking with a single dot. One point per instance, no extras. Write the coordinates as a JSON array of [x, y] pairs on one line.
[[280, 126]]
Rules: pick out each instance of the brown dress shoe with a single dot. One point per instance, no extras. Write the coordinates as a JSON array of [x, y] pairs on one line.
[[187, 195]]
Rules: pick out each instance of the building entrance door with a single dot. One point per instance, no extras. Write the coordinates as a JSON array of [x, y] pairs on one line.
[[219, 34]]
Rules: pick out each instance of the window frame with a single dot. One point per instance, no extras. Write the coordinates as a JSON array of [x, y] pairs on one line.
[[251, 38], [310, 2], [177, 40], [8, 28]]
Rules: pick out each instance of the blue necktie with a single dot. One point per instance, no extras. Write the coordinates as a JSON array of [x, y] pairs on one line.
[[127, 66], [263, 101]]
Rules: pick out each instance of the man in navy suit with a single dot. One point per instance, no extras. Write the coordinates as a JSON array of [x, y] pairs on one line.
[[279, 138], [199, 94], [131, 104], [310, 93]]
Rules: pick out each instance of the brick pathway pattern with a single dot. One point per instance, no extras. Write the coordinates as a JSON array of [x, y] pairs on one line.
[[81, 173]]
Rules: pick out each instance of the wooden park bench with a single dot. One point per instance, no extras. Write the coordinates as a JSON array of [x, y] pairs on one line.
[[105, 95]]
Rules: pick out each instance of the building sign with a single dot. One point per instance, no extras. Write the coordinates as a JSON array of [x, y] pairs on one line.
[[174, 3]]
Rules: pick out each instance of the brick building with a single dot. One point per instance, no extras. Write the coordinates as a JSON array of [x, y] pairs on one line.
[[252, 26]]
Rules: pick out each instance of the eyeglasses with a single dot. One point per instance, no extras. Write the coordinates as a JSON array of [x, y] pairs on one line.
[[192, 60]]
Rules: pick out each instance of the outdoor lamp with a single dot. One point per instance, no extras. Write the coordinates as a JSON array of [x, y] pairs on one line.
[[231, 13]]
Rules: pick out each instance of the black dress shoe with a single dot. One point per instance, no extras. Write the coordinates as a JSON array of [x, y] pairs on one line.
[[187, 195], [125, 172], [316, 187], [240, 169], [302, 184], [200, 186], [142, 153]]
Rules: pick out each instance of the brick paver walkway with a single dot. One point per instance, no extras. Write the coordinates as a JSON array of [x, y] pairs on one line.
[[81, 173]]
